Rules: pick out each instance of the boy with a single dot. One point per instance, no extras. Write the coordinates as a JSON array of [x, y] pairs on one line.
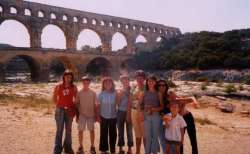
[[174, 132], [86, 103]]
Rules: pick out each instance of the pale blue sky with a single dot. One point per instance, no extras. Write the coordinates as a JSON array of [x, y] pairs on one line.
[[188, 15]]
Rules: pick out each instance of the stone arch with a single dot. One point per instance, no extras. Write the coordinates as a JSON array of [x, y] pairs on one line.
[[119, 41], [22, 33], [159, 39], [27, 12], [18, 66], [99, 66], [86, 36], [48, 42], [127, 66], [57, 67], [1, 8], [13, 10], [40, 14], [141, 39]]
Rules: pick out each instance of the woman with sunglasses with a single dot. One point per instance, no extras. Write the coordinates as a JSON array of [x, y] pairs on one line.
[[162, 87]]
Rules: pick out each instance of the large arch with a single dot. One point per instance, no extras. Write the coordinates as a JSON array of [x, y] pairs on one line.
[[58, 41], [127, 66], [21, 37], [57, 67], [119, 41], [141, 39], [22, 68], [89, 40], [99, 66]]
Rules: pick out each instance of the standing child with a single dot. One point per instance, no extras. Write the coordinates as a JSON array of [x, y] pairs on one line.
[[124, 115], [86, 103], [64, 97], [174, 132], [107, 112]]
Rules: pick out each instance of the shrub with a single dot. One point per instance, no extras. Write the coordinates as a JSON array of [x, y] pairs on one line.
[[230, 88], [246, 80], [204, 86], [219, 83], [202, 79], [170, 83], [241, 87]]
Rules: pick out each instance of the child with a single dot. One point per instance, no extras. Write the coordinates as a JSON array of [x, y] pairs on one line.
[[107, 116], [124, 115], [174, 132], [86, 103]]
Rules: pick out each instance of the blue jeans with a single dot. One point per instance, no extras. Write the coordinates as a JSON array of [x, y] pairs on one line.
[[121, 121], [162, 137], [151, 130], [62, 119]]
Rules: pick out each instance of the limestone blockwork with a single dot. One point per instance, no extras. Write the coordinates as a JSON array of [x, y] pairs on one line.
[[35, 17]]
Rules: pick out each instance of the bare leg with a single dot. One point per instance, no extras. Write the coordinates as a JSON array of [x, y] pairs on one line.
[[92, 138], [80, 135], [138, 145]]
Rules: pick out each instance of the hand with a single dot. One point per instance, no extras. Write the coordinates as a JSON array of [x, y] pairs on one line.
[[98, 119], [167, 118]]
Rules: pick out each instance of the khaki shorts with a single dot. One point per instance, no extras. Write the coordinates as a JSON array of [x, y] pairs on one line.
[[138, 125], [86, 122]]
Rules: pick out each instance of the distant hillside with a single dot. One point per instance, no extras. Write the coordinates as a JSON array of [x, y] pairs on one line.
[[2, 45], [203, 50]]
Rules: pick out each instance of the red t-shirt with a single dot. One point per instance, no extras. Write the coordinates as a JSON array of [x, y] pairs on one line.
[[65, 95]]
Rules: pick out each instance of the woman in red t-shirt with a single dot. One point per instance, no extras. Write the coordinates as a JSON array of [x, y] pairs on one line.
[[64, 97]]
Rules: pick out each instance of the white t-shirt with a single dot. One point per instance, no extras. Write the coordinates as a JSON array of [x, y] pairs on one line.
[[173, 132]]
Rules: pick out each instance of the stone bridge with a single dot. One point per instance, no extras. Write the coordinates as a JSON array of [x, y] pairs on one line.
[[35, 17], [40, 60]]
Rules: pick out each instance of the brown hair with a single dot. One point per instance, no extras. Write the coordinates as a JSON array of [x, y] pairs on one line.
[[112, 82]]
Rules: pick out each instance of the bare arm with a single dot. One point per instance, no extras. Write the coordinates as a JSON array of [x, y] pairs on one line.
[[182, 135]]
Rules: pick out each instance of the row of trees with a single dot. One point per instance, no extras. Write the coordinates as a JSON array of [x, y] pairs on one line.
[[203, 50]]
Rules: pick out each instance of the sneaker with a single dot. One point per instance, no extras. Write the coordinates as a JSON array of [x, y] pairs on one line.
[[92, 150], [80, 150]]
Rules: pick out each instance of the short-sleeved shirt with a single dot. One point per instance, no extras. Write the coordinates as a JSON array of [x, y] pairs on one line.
[[65, 95], [123, 106], [107, 102], [86, 101], [173, 132]]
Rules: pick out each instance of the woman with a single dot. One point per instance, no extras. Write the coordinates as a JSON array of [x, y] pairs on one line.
[[152, 105], [64, 97], [107, 116], [162, 87]]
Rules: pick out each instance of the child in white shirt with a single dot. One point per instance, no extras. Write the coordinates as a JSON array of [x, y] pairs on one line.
[[174, 132]]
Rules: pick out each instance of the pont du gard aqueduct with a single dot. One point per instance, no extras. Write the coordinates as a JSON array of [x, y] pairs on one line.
[[35, 17]]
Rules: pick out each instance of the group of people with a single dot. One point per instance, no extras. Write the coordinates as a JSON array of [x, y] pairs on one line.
[[147, 110]]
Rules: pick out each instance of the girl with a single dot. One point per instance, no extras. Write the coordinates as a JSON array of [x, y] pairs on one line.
[[152, 105], [107, 116], [124, 115], [64, 97]]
